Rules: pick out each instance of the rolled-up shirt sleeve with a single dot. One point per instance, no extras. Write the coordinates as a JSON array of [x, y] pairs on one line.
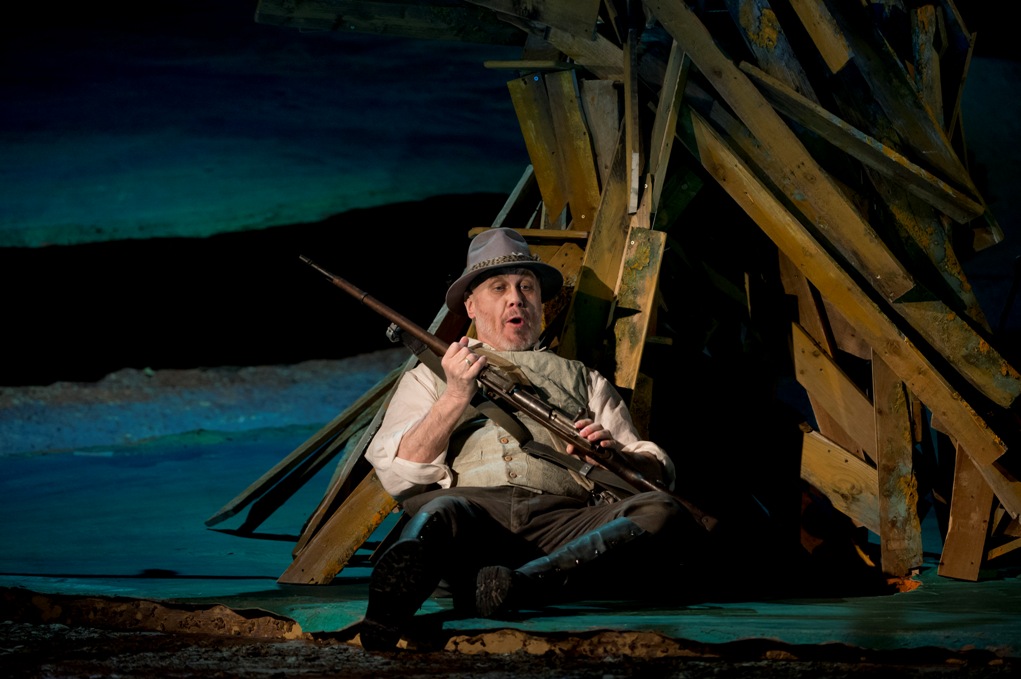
[[609, 410], [415, 394]]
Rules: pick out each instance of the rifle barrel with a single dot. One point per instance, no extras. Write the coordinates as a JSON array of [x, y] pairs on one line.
[[422, 335]]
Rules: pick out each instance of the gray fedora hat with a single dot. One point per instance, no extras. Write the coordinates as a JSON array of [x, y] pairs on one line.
[[501, 248]]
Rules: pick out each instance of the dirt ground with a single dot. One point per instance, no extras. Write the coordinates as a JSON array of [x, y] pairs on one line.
[[66, 636], [55, 650]]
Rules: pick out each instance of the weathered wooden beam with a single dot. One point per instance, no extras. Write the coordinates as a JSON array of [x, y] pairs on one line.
[[955, 203], [900, 529], [765, 38], [919, 221], [926, 31], [910, 364], [636, 292], [421, 19], [847, 481]]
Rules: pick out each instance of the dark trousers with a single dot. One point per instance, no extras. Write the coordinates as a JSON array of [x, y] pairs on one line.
[[511, 526]]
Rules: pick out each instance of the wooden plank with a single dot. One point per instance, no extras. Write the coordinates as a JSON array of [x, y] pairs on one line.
[[591, 303], [664, 125], [838, 395], [342, 535], [910, 364], [530, 65], [918, 220], [825, 33], [574, 146], [636, 293], [971, 505], [900, 529], [531, 104], [848, 482], [600, 102], [632, 124], [940, 325], [1004, 549], [419, 19], [955, 203]]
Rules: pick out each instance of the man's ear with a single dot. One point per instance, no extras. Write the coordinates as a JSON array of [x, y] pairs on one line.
[[469, 307]]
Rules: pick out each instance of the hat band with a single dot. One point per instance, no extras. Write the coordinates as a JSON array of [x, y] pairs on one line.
[[516, 257]]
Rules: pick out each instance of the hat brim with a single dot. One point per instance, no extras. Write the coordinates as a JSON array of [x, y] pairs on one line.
[[550, 282]]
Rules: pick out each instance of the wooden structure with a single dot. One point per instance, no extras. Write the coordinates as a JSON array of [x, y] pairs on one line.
[[831, 128]]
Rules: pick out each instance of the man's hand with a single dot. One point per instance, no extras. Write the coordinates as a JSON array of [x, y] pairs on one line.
[[462, 367], [594, 433], [645, 464]]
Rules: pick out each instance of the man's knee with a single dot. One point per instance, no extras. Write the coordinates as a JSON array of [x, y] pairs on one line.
[[654, 511]]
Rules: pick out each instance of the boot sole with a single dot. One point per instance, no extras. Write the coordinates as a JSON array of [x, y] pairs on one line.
[[400, 583], [494, 591]]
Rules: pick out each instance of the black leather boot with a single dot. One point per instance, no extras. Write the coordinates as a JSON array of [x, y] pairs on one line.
[[402, 580], [500, 590]]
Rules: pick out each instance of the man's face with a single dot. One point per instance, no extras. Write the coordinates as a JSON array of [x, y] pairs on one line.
[[507, 310]]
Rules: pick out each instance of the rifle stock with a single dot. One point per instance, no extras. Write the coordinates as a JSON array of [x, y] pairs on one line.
[[496, 384]]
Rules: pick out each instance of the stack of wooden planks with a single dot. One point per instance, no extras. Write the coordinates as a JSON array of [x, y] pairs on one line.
[[832, 128]]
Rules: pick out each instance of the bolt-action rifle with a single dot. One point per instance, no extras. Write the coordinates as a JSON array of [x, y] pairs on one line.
[[497, 385]]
